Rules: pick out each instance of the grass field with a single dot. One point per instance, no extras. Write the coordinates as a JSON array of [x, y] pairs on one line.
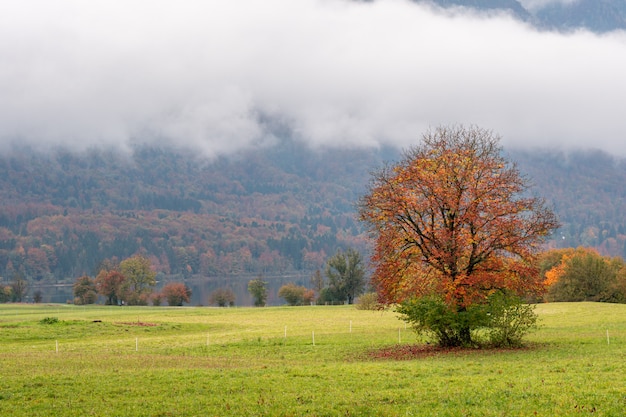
[[62, 360]]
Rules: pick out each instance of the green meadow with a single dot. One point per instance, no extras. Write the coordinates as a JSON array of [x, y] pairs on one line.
[[64, 360]]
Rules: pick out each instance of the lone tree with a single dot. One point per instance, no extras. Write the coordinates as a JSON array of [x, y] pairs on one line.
[[139, 279], [453, 224], [258, 290], [19, 287], [109, 283], [583, 274], [222, 297], [85, 291], [346, 275], [176, 293], [296, 295]]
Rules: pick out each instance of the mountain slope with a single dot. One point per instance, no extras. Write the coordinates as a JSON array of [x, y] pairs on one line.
[[275, 211], [598, 16]]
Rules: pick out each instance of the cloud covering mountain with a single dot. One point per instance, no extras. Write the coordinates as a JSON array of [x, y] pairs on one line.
[[219, 76]]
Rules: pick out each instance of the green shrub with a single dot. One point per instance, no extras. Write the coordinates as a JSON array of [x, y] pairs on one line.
[[431, 316], [49, 320], [509, 320], [292, 293], [222, 297], [502, 317], [258, 290], [368, 301]]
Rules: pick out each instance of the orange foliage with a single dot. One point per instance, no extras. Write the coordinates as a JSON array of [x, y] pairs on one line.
[[565, 256], [452, 219], [176, 293]]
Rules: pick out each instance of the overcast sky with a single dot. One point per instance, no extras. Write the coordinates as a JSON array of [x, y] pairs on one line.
[[538, 4], [220, 75]]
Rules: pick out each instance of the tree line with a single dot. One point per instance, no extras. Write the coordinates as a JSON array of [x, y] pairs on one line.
[[133, 280], [285, 209], [458, 243], [343, 280]]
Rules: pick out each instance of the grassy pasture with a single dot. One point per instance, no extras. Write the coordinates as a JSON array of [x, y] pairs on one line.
[[163, 361]]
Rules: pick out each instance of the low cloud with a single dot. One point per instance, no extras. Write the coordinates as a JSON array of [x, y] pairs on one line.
[[538, 4], [219, 76]]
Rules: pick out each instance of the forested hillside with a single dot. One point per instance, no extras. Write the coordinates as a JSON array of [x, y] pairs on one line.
[[594, 15], [272, 211], [281, 210], [587, 190]]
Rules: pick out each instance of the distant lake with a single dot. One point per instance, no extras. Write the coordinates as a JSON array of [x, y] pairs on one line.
[[201, 289]]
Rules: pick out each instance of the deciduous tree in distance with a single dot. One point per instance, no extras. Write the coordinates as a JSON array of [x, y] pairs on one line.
[[222, 297], [19, 287], [582, 274], [454, 219], [292, 293], [176, 293], [346, 275], [85, 291], [109, 283], [139, 279], [258, 290]]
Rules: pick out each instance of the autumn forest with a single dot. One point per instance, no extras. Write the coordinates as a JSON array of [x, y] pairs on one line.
[[277, 211]]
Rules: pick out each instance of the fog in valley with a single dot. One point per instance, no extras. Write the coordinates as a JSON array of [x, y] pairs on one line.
[[221, 76]]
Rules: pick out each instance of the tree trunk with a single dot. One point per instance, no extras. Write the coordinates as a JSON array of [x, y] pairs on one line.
[[464, 335]]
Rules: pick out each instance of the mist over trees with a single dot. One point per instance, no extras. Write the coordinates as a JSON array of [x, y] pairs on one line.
[[274, 211], [277, 211], [595, 15]]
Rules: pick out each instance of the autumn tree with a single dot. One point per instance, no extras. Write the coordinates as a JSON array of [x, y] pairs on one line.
[[110, 285], [346, 275], [5, 293], [258, 290], [308, 297], [157, 298], [19, 288], [583, 274], [453, 224], [139, 279], [222, 297], [317, 280], [292, 293], [85, 291], [176, 293]]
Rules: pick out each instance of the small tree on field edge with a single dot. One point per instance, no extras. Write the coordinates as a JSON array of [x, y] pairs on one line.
[[346, 275], [176, 293], [222, 297], [19, 288], [258, 290], [109, 284], [582, 274], [139, 279], [292, 293], [85, 291]]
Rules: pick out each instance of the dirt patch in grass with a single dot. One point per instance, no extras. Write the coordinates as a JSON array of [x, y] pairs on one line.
[[137, 323], [409, 352]]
